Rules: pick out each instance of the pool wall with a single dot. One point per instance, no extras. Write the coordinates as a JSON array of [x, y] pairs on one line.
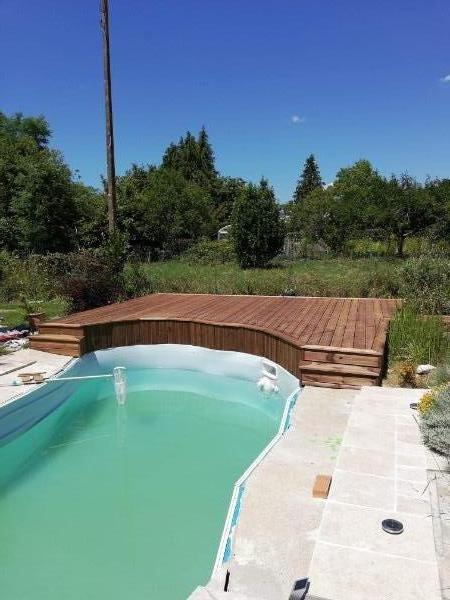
[[31, 407]]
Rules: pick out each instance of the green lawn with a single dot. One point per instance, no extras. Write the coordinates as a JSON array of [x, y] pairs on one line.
[[14, 315]]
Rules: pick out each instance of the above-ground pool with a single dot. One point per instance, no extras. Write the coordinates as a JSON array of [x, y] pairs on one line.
[[106, 501]]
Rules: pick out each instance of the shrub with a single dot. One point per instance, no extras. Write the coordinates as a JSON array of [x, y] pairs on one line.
[[407, 374], [416, 338], [26, 278], [210, 252], [439, 375], [256, 226], [426, 284], [426, 402], [136, 281], [435, 425], [91, 279]]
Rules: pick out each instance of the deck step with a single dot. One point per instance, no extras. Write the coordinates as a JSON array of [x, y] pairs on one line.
[[320, 367], [51, 328], [68, 345], [344, 356], [337, 375], [364, 351]]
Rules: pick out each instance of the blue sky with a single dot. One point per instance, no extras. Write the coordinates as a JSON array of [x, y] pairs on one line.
[[364, 79]]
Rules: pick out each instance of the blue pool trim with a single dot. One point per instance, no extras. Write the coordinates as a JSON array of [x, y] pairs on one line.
[[225, 550]]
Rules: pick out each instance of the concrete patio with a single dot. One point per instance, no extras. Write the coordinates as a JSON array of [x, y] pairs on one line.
[[25, 361], [370, 443]]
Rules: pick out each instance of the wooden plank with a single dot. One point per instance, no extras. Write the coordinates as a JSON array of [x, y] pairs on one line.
[[336, 338], [359, 341], [349, 333], [366, 351], [321, 486], [340, 358], [331, 368]]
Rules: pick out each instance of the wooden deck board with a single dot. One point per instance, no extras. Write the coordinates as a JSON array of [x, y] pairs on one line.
[[273, 326]]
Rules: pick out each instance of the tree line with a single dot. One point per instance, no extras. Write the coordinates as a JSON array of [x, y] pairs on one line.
[[164, 209], [362, 203]]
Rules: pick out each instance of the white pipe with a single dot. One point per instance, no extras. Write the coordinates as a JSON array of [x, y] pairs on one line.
[[81, 377]]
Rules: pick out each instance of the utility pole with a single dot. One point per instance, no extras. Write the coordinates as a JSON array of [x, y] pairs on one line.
[[111, 190]]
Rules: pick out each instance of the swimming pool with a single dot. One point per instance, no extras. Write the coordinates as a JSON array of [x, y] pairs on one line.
[[105, 501]]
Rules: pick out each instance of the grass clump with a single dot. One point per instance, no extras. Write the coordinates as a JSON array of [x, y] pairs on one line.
[[417, 339], [425, 283], [435, 424]]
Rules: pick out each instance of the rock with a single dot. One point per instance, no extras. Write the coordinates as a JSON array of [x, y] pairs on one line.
[[424, 369]]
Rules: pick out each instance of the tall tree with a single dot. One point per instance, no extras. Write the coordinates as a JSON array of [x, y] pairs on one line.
[[309, 180], [161, 212], [404, 208], [226, 191], [256, 226], [206, 155], [193, 158], [37, 207]]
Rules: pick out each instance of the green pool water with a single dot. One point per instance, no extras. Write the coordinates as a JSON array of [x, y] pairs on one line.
[[105, 502]]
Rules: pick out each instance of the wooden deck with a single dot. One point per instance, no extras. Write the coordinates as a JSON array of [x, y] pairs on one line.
[[335, 342]]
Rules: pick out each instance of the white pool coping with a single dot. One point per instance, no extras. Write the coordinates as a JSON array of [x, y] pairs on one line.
[[41, 362]]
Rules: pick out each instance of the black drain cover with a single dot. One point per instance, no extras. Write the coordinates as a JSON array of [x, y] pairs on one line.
[[392, 526]]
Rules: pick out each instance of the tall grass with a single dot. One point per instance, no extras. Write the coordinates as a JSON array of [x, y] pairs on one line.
[[417, 339], [327, 277]]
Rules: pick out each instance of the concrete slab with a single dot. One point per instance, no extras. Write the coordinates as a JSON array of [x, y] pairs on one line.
[[341, 573], [44, 362], [369, 439], [363, 490], [360, 528], [358, 460]]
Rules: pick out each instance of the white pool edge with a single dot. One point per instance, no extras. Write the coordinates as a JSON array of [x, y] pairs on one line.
[[226, 540], [33, 388]]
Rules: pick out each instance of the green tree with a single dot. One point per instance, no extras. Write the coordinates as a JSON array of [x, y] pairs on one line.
[[309, 180], [402, 209], [193, 158], [165, 215], [256, 227], [438, 191], [226, 190], [91, 226], [341, 212], [206, 154], [322, 217], [18, 127], [37, 208]]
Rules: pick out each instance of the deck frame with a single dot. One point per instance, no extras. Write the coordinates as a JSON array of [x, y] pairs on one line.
[[335, 335]]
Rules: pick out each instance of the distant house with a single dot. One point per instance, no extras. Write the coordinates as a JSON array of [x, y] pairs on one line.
[[224, 233]]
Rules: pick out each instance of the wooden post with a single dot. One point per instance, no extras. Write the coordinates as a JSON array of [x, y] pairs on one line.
[[111, 169]]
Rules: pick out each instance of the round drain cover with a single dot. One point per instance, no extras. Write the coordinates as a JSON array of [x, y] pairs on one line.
[[392, 526]]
